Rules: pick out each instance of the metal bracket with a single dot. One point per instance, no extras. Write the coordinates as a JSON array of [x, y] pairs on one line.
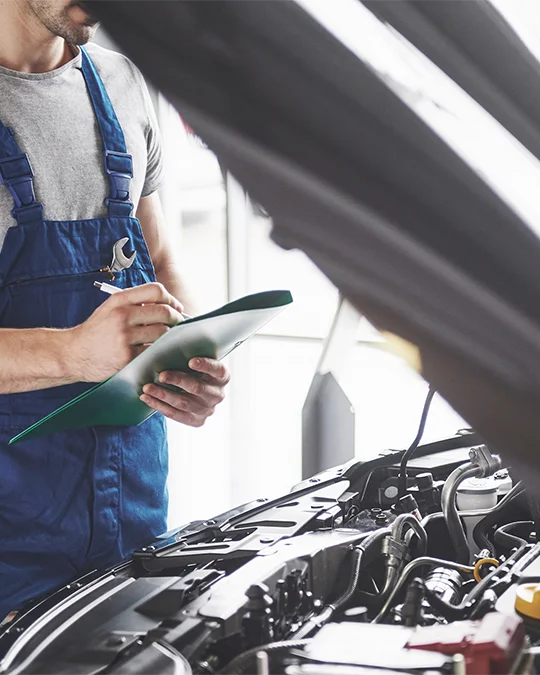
[[488, 463]]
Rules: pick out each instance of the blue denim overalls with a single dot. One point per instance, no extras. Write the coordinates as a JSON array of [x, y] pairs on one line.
[[79, 499]]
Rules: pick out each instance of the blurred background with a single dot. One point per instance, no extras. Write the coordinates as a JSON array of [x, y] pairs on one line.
[[252, 446]]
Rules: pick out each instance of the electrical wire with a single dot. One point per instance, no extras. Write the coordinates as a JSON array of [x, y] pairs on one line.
[[407, 455]]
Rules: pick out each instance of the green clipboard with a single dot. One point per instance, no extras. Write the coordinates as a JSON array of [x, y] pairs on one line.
[[116, 402]]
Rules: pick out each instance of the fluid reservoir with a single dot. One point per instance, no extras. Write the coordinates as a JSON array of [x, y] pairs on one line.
[[504, 482], [472, 495]]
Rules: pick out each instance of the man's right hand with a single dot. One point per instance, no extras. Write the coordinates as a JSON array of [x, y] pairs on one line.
[[120, 329]]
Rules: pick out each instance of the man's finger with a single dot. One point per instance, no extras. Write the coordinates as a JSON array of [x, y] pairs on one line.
[[188, 418], [145, 335], [154, 314], [146, 294], [212, 367], [177, 400], [209, 392]]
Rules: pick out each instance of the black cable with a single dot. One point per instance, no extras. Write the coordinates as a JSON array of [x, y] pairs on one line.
[[468, 603], [329, 610], [402, 482], [493, 517], [510, 541]]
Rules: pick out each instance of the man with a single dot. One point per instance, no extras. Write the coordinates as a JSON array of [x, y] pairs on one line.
[[81, 120]]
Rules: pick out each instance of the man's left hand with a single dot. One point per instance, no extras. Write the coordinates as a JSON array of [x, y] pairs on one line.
[[199, 398]]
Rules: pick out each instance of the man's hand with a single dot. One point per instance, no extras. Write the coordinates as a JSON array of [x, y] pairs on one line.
[[199, 398], [120, 329]]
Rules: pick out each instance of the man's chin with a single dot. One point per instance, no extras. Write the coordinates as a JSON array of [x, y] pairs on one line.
[[83, 34]]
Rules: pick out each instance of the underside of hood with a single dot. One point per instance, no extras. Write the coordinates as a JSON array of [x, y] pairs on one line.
[[407, 231]]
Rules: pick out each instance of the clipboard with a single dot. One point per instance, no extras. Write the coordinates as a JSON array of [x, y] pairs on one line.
[[116, 402]]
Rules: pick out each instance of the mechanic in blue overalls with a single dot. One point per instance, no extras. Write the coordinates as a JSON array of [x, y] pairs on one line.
[[78, 158]]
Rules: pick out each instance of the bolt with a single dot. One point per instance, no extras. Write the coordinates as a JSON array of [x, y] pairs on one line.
[[116, 640], [266, 540], [210, 522], [313, 480]]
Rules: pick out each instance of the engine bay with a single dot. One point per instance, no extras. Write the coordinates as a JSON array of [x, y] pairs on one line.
[[362, 568]]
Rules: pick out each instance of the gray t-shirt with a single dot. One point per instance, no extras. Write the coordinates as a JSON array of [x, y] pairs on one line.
[[54, 122]]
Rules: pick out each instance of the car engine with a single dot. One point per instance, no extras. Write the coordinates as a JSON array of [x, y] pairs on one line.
[[368, 567]]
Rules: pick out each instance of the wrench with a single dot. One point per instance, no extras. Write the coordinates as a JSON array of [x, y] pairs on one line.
[[119, 260]]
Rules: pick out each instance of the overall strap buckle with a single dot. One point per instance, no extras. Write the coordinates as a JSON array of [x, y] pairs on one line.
[[119, 168], [17, 175]]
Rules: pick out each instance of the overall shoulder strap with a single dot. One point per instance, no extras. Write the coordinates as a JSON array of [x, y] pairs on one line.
[[17, 175], [118, 162]]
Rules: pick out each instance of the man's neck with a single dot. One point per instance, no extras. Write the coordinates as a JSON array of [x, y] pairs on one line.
[[25, 44]]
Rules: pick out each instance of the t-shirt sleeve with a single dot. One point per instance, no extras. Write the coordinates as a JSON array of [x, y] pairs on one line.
[[154, 168]]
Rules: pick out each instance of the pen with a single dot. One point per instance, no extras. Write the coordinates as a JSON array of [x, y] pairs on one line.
[[111, 290]]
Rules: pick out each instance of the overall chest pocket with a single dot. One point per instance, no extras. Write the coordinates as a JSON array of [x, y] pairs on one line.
[[49, 302]]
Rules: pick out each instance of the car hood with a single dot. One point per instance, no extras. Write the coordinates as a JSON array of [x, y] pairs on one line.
[[407, 231]]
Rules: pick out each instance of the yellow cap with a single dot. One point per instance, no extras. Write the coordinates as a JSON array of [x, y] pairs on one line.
[[528, 600]]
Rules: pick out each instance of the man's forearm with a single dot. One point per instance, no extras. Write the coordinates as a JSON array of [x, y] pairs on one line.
[[168, 275], [150, 214], [35, 358]]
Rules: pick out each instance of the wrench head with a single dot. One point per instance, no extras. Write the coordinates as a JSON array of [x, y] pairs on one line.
[[120, 261]]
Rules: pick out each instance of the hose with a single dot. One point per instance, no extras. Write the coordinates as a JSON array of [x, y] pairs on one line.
[[448, 503], [419, 562], [238, 664], [426, 520], [326, 613], [353, 583], [455, 612], [517, 490], [407, 521], [404, 522], [479, 531], [504, 538]]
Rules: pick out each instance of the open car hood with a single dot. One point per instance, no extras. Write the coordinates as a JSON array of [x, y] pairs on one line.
[[407, 231]]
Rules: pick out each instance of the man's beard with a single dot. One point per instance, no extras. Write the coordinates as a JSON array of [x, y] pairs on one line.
[[60, 23]]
